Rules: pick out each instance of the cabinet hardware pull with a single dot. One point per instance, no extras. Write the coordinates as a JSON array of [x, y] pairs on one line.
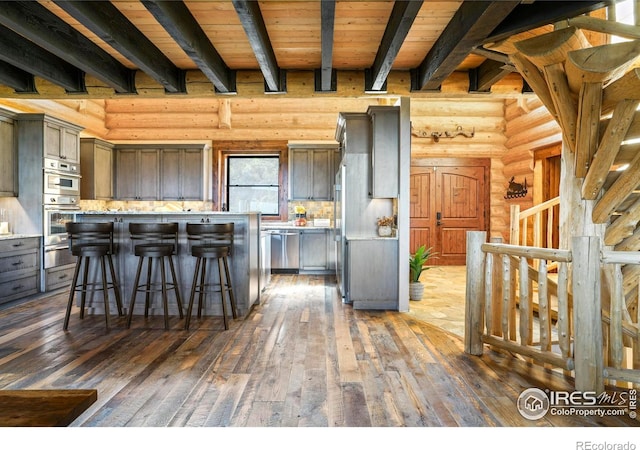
[[18, 287], [19, 244], [63, 276], [17, 263]]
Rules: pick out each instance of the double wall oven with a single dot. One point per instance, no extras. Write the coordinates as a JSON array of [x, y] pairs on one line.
[[60, 201]]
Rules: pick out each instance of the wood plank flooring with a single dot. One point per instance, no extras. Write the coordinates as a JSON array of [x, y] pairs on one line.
[[300, 359]]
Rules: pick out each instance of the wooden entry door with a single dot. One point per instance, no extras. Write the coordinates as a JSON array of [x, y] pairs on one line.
[[446, 202]]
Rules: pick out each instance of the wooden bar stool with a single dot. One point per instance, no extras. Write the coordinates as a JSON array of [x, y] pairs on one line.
[[92, 240], [214, 242], [159, 241]]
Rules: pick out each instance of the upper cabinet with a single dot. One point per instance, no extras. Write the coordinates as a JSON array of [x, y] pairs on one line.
[[61, 141], [96, 167], [182, 174], [137, 174], [8, 157], [385, 151], [312, 172], [159, 172]]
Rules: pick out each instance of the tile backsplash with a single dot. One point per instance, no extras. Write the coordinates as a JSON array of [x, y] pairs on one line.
[[315, 210]]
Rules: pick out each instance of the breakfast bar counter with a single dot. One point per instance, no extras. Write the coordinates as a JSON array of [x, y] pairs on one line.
[[244, 261]]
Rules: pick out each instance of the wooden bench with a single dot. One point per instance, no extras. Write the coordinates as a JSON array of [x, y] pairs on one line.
[[44, 408]]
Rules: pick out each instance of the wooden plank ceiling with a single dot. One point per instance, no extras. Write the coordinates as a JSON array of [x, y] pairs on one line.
[[101, 49]]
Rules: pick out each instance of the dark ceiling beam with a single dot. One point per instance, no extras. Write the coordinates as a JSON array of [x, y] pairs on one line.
[[402, 16], [468, 28], [109, 24], [487, 74], [178, 21], [27, 56], [528, 16], [16, 78], [326, 73], [253, 23], [39, 25]]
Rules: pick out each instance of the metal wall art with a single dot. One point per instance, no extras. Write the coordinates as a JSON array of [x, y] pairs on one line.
[[516, 190]]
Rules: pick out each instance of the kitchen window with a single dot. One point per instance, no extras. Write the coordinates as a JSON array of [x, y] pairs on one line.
[[253, 184]]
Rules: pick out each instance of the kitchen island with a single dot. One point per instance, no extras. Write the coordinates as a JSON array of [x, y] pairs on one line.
[[244, 262]]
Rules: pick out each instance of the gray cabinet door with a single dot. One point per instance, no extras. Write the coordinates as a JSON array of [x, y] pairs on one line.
[[126, 174], [311, 174], [182, 174], [148, 175], [385, 151], [97, 169], [8, 160], [61, 142], [372, 273], [313, 250]]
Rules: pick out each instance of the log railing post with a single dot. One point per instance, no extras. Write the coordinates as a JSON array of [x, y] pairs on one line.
[[514, 233], [474, 303], [587, 314]]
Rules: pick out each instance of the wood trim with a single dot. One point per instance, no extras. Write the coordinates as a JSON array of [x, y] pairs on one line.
[[222, 149]]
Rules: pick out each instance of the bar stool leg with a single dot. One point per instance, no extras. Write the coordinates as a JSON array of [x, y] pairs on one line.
[[203, 287], [116, 285], [105, 292], [74, 284], [222, 296], [148, 292], [165, 302], [232, 298], [133, 294], [176, 287], [85, 274], [193, 292]]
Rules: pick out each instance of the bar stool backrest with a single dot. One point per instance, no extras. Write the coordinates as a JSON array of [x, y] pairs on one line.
[[217, 234], [80, 233], [155, 233]]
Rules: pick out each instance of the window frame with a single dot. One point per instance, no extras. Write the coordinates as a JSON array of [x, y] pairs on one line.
[[253, 156], [223, 149]]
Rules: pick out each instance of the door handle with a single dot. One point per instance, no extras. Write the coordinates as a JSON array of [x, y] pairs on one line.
[[438, 218]]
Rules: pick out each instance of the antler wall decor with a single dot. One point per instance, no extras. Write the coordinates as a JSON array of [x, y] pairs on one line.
[[436, 135]]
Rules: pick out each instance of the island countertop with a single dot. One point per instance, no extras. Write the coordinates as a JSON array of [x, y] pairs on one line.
[[244, 261]]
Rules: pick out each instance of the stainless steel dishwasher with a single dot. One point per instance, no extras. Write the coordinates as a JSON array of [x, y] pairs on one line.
[[285, 251]]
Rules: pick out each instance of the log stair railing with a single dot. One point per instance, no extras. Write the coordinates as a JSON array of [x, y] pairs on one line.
[[499, 278], [534, 219]]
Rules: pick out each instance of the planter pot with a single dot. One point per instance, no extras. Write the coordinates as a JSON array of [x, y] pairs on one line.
[[416, 290], [384, 231]]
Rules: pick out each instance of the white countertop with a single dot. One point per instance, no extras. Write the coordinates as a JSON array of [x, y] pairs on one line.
[[267, 225], [18, 236], [131, 212]]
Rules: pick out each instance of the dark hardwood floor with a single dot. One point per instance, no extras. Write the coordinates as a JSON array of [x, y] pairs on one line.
[[300, 359]]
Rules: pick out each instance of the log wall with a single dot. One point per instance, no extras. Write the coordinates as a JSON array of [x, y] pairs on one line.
[[529, 127], [207, 120]]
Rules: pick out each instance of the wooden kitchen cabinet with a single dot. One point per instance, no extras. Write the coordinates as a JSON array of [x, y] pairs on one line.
[[96, 167], [61, 141], [19, 268], [312, 172], [137, 173], [8, 157], [181, 174]]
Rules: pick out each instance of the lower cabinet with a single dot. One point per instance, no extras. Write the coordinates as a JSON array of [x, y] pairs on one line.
[[316, 251], [59, 277], [372, 273], [19, 268]]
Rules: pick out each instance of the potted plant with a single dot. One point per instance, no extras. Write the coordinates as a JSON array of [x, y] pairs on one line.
[[417, 263], [385, 225]]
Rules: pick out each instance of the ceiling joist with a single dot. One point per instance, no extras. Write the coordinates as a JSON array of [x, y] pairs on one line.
[[469, 27], [110, 25], [400, 21], [42, 27], [253, 23], [16, 78], [178, 21]]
